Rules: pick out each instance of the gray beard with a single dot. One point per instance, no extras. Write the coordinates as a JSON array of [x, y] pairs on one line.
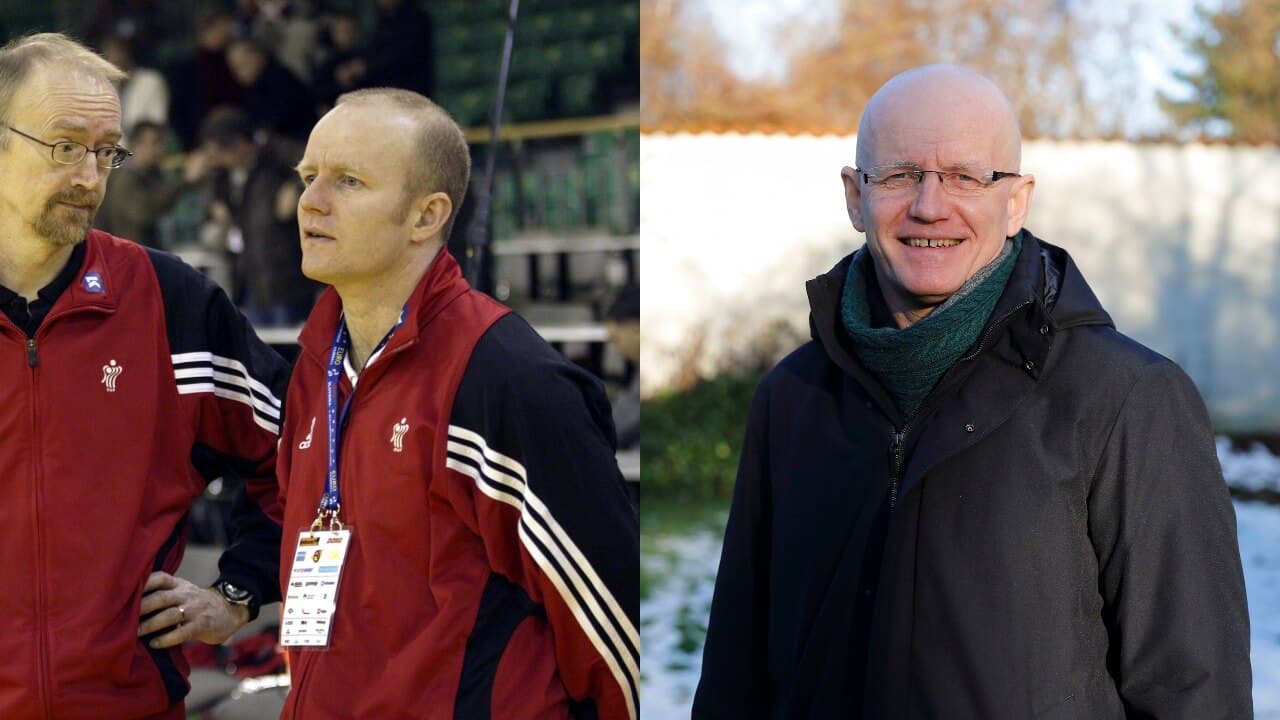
[[61, 232]]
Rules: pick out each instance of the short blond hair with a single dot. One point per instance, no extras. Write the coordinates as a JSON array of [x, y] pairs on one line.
[[443, 162], [18, 56]]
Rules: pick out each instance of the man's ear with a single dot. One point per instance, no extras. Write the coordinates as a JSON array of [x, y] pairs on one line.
[[1019, 203], [853, 197], [431, 213]]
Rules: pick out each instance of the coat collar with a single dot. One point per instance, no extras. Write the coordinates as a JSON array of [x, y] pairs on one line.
[[1045, 294], [95, 284], [439, 286]]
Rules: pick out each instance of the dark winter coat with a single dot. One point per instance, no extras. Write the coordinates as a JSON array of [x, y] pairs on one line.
[[1049, 537]]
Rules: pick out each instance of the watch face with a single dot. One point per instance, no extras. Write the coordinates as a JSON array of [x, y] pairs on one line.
[[232, 593]]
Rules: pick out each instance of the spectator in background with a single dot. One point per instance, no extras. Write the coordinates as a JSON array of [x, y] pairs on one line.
[[334, 73], [289, 28], [400, 54], [623, 324], [141, 191], [256, 192], [275, 99], [144, 94], [204, 81], [136, 22]]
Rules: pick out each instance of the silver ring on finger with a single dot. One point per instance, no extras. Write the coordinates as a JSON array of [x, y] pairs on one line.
[[182, 615]]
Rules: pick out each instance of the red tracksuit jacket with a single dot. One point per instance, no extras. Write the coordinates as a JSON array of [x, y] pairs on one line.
[[494, 565], [141, 370]]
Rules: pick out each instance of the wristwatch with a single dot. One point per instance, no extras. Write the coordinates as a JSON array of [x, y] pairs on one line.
[[235, 595]]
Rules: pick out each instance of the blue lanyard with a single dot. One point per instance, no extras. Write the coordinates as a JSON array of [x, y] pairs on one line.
[[331, 501]]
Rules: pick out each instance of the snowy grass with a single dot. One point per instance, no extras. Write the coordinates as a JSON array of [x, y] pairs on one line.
[[680, 559], [1254, 469], [1258, 529]]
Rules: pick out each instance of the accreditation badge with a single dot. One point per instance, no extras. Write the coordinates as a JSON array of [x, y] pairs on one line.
[[311, 597]]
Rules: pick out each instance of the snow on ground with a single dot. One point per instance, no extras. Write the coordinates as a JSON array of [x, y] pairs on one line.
[[673, 621], [1259, 533], [1253, 469], [1258, 529], [673, 616]]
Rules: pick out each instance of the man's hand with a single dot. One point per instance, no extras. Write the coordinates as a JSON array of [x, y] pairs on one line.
[[190, 611]]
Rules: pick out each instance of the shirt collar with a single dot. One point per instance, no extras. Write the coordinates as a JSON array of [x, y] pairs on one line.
[[50, 293]]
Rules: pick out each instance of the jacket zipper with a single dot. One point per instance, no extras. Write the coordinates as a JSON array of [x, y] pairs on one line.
[[986, 337], [300, 673], [897, 439], [895, 465], [42, 644], [42, 620]]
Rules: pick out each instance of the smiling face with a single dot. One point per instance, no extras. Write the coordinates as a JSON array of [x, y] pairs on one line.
[[54, 202], [359, 225], [926, 242]]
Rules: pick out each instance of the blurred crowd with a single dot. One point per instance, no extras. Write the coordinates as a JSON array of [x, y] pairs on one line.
[[217, 112]]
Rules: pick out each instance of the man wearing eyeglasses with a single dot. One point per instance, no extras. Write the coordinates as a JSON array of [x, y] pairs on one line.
[[126, 379], [969, 496]]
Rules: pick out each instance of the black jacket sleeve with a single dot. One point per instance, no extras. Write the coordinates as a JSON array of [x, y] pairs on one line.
[[238, 383], [562, 527], [1164, 531], [735, 680]]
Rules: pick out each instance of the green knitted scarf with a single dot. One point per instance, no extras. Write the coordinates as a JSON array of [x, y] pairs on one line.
[[909, 362]]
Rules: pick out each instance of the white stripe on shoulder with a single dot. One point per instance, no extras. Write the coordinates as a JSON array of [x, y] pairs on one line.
[[230, 364], [206, 372], [493, 468], [238, 396], [494, 456]]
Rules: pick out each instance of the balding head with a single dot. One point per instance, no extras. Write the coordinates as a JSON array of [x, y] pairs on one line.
[[941, 101], [927, 239], [18, 58], [440, 160]]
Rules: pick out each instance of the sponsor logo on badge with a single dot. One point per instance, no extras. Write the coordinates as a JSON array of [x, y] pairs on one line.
[[92, 282]]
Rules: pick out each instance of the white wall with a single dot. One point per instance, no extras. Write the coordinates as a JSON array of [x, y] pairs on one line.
[[1180, 242]]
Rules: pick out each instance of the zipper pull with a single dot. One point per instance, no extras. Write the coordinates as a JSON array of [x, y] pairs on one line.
[[895, 466], [32, 359]]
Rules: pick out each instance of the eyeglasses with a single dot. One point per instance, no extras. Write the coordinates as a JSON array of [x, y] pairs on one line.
[[67, 152], [901, 179]]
